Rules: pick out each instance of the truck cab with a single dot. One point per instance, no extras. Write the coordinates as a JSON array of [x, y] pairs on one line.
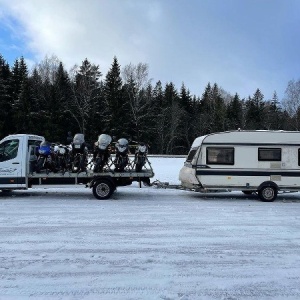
[[16, 153]]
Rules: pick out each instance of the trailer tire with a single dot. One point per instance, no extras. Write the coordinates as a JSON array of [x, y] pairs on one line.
[[267, 193], [103, 189]]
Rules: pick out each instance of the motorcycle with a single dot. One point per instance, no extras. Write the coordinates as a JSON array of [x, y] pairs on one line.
[[61, 154], [45, 158], [101, 152], [122, 159], [140, 156], [78, 154]]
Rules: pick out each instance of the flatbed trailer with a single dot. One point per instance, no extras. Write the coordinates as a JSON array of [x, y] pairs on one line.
[[16, 172], [103, 184]]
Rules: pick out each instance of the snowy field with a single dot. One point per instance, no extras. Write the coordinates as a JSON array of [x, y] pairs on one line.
[[148, 243]]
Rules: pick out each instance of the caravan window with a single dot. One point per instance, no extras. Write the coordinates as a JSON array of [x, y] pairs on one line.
[[191, 155], [220, 155], [269, 154]]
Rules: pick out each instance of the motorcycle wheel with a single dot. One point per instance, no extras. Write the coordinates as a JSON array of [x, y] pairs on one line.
[[123, 164], [138, 167], [75, 165], [40, 164], [98, 165], [82, 164]]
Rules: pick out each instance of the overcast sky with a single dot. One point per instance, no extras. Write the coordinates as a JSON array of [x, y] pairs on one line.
[[241, 45]]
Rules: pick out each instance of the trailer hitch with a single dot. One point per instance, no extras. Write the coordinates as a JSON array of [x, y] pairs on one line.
[[165, 185]]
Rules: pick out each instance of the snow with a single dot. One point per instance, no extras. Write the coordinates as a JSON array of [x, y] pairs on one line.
[[148, 243]]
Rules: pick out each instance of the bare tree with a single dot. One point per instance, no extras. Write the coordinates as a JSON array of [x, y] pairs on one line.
[[47, 68], [85, 91], [291, 102], [136, 81]]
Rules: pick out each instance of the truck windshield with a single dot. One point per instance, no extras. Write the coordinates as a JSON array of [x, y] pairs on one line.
[[9, 150]]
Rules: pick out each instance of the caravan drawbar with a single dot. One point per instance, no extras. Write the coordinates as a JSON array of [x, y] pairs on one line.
[[261, 161]]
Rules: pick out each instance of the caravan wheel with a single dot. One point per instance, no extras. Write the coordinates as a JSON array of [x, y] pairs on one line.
[[267, 193]]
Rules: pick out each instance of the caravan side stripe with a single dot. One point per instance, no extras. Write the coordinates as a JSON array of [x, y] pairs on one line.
[[228, 172], [249, 144]]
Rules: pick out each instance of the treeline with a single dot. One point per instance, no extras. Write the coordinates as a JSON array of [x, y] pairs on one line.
[[50, 101]]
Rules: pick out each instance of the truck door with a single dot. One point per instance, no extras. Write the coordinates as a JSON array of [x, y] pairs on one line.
[[32, 154], [11, 165]]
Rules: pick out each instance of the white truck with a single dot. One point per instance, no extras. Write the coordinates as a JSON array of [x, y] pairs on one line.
[[261, 161], [18, 156]]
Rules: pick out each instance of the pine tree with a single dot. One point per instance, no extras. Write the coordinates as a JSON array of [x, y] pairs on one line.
[[187, 122], [5, 98], [83, 103], [20, 95], [196, 120], [218, 109], [157, 118], [255, 114], [39, 105], [207, 110], [26, 121], [174, 117], [61, 93], [273, 118], [116, 110], [235, 113]]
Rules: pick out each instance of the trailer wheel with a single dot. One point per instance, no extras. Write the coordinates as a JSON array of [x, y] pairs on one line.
[[103, 189], [267, 193]]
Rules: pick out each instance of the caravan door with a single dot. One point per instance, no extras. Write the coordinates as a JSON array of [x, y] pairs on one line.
[[11, 164]]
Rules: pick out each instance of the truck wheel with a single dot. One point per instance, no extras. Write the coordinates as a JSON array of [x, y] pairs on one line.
[[267, 193], [103, 189]]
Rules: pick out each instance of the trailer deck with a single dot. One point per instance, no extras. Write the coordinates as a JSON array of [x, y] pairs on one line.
[[103, 184]]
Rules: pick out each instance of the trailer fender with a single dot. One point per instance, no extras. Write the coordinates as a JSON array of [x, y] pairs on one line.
[[267, 191], [96, 179]]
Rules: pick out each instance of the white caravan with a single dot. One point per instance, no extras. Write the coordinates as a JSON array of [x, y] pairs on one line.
[[261, 161]]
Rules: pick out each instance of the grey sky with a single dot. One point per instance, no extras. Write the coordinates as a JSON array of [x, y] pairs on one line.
[[241, 45]]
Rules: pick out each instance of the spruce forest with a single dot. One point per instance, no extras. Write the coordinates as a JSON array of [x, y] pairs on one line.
[[50, 101]]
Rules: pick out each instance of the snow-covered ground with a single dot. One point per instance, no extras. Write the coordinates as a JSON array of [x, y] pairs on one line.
[[148, 243]]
